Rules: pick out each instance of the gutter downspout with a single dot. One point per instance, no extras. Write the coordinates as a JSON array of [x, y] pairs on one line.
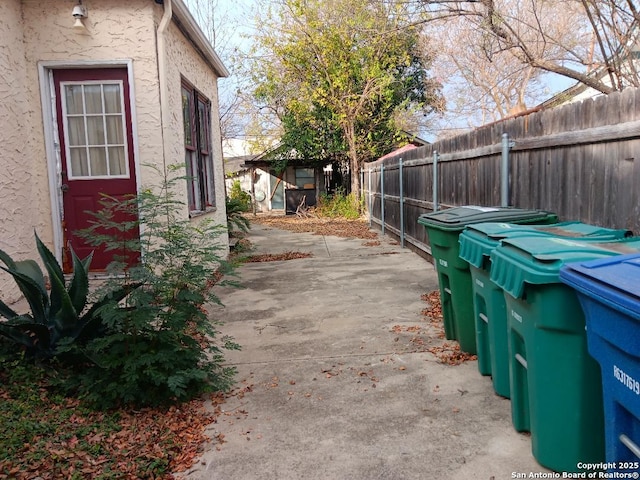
[[165, 113]]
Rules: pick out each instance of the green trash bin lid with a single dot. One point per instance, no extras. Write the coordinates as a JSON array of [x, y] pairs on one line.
[[457, 218], [478, 240], [538, 260]]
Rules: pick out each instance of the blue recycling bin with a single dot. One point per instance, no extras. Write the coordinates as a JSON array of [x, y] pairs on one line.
[[477, 242], [609, 293]]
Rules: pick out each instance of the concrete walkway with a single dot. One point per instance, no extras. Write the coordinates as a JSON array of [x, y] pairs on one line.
[[334, 380]]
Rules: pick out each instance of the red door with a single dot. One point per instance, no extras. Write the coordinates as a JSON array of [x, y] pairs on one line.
[[96, 145]]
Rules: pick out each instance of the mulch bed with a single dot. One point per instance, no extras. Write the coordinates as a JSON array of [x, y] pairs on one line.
[[319, 226]]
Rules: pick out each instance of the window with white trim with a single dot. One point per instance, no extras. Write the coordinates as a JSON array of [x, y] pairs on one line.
[[196, 113], [95, 133]]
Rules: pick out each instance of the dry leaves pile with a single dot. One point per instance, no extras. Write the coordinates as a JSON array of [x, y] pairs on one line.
[[148, 443], [338, 227], [434, 308], [449, 352], [276, 257]]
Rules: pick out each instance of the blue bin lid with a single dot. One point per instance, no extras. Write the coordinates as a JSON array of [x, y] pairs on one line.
[[457, 218], [538, 260], [478, 240], [613, 281]]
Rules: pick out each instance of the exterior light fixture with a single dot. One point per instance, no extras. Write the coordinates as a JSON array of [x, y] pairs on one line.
[[79, 12]]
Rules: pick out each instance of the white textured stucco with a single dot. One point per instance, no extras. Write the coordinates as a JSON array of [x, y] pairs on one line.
[[18, 182], [34, 32]]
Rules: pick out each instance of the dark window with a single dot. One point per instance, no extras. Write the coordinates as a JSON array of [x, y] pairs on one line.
[[196, 113], [305, 178]]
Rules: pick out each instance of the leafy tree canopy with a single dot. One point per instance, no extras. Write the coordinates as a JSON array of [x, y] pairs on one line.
[[337, 74]]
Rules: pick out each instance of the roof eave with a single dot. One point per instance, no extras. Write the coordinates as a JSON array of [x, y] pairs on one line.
[[186, 21]]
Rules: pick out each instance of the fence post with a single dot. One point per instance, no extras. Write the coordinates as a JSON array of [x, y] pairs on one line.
[[370, 203], [504, 171], [401, 207], [382, 196], [435, 180]]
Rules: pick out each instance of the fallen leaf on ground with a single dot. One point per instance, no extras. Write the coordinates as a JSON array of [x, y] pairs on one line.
[[276, 257], [450, 354]]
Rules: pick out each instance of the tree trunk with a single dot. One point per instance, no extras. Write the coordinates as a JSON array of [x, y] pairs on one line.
[[354, 161]]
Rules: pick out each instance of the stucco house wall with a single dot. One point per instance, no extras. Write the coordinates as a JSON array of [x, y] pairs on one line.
[[36, 37], [16, 189]]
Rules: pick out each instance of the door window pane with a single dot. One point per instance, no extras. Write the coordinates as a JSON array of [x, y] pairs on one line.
[[98, 161], [78, 161], [117, 164], [74, 102], [114, 130], [112, 100], [76, 131], [95, 131], [93, 98], [94, 117]]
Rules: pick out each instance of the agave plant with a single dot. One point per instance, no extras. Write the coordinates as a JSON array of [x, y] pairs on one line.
[[57, 315]]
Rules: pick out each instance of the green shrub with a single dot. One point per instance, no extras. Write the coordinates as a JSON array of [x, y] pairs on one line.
[[160, 345], [235, 220], [338, 205], [242, 198]]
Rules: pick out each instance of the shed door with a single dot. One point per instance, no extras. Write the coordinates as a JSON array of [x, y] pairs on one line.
[[276, 185], [96, 145]]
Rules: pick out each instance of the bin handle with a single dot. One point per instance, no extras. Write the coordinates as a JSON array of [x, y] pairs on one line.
[[447, 290], [521, 360], [630, 444], [483, 317]]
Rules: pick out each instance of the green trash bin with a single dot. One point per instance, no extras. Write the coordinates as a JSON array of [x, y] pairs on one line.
[[454, 278], [555, 384], [476, 244]]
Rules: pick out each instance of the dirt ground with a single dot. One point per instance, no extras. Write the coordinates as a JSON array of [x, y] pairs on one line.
[[337, 227]]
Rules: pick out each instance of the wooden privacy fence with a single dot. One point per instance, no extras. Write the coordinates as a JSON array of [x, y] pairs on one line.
[[581, 161]]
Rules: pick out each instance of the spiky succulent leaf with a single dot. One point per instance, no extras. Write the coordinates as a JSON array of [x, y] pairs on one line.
[[86, 262], [89, 327], [16, 336], [6, 311], [32, 291], [114, 297], [66, 317], [56, 277], [49, 260], [31, 334], [79, 285], [7, 260], [31, 269]]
